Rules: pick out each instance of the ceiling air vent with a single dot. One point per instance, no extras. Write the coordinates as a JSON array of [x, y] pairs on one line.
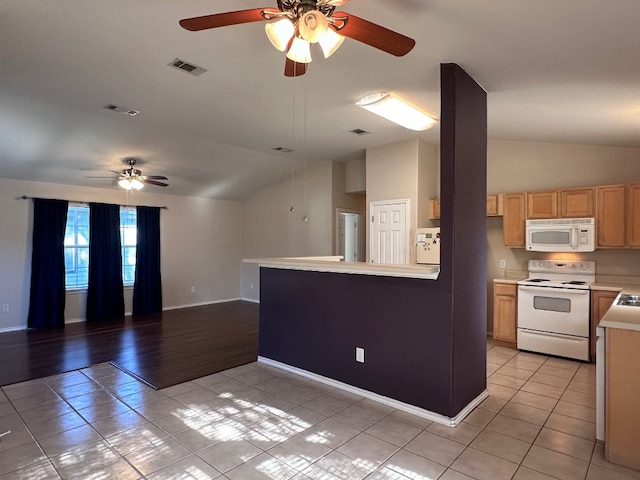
[[283, 149], [126, 110], [187, 67], [359, 131]]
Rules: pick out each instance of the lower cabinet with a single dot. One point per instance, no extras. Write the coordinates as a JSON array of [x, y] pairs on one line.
[[601, 300], [505, 311]]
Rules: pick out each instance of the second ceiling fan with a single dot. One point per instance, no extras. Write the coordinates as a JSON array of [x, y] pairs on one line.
[[296, 24]]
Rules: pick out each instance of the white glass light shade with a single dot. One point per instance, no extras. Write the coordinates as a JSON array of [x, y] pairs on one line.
[[130, 183], [313, 26], [280, 32], [300, 51], [125, 183], [330, 42], [392, 108]]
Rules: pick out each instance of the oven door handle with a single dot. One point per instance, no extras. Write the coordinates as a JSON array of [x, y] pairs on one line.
[[551, 290]]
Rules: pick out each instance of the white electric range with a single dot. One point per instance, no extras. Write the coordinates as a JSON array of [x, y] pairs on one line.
[[554, 307]]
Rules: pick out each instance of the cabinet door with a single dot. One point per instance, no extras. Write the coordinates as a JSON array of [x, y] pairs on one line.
[[542, 204], [505, 312], [434, 209], [611, 216], [513, 219], [633, 216], [495, 205], [577, 203], [601, 300]]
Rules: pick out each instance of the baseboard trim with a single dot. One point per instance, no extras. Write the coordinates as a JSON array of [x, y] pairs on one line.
[[201, 304], [12, 329], [420, 412], [251, 300]]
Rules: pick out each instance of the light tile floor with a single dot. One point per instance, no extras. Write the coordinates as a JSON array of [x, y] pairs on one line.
[[257, 422]]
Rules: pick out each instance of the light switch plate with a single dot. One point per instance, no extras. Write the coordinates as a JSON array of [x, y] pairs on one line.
[[360, 354]]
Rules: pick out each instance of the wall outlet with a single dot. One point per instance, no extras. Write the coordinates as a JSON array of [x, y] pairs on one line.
[[193, 289], [503, 264], [5, 307], [359, 354]]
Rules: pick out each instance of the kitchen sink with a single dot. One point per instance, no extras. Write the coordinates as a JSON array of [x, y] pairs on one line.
[[628, 300]]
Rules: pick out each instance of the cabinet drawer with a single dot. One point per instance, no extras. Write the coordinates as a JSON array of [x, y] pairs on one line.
[[505, 289]]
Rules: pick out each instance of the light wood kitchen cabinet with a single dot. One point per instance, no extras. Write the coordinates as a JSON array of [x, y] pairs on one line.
[[633, 215], [434, 209], [495, 205], [542, 204], [577, 203], [514, 215], [601, 300], [611, 216], [622, 395], [505, 308]]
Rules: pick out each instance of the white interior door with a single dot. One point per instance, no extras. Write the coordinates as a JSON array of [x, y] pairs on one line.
[[389, 232]]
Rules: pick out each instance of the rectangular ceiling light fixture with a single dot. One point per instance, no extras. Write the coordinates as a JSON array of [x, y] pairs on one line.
[[397, 110]]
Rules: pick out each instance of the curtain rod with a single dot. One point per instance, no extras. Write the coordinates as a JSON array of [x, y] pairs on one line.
[[24, 197]]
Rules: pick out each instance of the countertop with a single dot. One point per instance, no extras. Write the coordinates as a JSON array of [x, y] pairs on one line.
[[623, 316], [334, 265]]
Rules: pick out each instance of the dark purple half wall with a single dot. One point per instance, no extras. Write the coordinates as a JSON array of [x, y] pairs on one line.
[[424, 340]]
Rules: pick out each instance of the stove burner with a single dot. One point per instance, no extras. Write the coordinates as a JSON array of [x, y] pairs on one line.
[[538, 280], [574, 282]]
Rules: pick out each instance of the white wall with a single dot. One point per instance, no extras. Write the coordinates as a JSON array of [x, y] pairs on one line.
[[403, 170], [200, 246]]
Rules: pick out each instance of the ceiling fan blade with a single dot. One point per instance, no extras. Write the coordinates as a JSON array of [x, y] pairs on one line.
[[116, 172], [373, 34], [224, 19], [100, 177], [294, 69], [336, 3], [155, 177], [153, 182]]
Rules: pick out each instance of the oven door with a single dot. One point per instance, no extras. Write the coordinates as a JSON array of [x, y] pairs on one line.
[[555, 310]]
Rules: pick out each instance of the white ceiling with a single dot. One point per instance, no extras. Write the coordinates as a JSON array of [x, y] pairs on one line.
[[556, 71]]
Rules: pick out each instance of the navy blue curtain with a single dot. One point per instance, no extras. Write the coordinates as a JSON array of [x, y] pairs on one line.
[[105, 295], [147, 289], [47, 298]]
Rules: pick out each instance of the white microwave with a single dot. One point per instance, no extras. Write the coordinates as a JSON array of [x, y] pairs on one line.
[[561, 235]]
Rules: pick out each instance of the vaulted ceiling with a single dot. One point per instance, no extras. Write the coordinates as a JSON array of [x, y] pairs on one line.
[[554, 72]]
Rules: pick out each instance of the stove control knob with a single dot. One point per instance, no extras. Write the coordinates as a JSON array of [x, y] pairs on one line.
[[574, 265]]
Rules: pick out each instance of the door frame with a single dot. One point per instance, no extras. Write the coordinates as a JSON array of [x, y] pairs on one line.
[[407, 204], [336, 227]]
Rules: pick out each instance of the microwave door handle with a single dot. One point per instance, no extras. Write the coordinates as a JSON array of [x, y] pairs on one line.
[[574, 238]]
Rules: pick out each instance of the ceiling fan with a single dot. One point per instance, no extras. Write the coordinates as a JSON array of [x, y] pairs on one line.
[[296, 24], [132, 179]]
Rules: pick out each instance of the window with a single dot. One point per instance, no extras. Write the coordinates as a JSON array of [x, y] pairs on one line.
[[76, 246]]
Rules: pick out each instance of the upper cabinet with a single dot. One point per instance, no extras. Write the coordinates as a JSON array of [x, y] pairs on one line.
[[577, 203], [494, 206], [513, 221], [542, 204], [633, 215], [611, 216]]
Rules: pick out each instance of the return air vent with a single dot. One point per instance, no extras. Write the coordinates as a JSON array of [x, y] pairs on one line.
[[187, 67], [283, 149], [126, 110], [359, 131]]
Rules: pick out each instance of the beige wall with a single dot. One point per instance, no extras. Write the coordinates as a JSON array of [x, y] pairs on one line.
[[522, 166], [269, 229], [200, 246], [404, 170]]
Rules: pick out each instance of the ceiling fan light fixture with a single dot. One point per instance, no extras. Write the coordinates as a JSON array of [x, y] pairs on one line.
[[279, 33], [313, 26], [300, 51], [330, 42], [397, 110]]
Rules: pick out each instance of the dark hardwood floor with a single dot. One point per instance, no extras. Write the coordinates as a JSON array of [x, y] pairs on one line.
[[162, 350]]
